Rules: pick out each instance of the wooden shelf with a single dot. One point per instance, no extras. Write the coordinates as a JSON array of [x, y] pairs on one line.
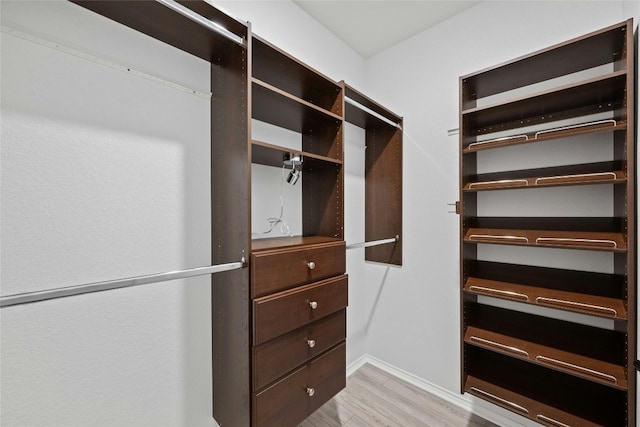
[[599, 126], [171, 27], [275, 106], [596, 95], [363, 118], [528, 389], [520, 403], [604, 46], [586, 174], [570, 363], [278, 69], [596, 293], [571, 301], [572, 341], [272, 155], [602, 241]]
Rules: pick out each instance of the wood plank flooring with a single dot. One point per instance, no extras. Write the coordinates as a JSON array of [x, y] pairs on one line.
[[376, 398]]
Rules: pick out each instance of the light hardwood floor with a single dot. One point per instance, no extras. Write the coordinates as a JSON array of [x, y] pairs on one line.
[[376, 398]]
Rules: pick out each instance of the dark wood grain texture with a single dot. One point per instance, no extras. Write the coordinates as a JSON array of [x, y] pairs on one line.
[[275, 358], [285, 311], [277, 269], [288, 401]]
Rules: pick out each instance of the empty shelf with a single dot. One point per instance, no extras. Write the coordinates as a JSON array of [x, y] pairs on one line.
[[609, 177], [529, 390], [596, 95], [570, 363], [581, 303], [549, 134], [523, 405], [604, 241], [275, 106]]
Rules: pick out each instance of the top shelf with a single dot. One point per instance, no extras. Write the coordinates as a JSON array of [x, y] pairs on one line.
[[592, 96], [605, 46], [164, 24], [280, 70], [364, 112]]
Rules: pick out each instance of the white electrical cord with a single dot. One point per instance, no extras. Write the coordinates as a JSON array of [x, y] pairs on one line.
[[273, 222]]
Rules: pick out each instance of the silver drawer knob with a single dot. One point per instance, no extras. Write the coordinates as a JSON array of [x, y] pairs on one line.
[[311, 265], [311, 343], [313, 305], [311, 391]]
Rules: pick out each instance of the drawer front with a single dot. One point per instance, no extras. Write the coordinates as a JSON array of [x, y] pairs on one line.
[[285, 311], [298, 395], [278, 269], [275, 358]]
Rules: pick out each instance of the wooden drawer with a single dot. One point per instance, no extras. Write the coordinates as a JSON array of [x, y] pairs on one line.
[[296, 396], [277, 269], [285, 311], [275, 358]]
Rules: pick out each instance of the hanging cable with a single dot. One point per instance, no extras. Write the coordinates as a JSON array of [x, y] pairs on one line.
[[273, 222]]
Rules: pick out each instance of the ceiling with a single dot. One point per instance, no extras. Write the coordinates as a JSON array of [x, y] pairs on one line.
[[369, 27]]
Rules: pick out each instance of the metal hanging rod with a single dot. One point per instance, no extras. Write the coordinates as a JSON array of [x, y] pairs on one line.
[[370, 111], [373, 243], [30, 297], [199, 19]]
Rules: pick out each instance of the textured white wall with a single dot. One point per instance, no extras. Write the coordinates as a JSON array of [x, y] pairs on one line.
[[104, 175]]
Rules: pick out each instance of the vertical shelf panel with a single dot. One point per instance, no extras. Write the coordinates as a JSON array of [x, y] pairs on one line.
[[383, 193], [383, 174], [231, 231]]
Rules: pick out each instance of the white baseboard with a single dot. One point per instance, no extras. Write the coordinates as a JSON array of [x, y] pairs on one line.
[[461, 401]]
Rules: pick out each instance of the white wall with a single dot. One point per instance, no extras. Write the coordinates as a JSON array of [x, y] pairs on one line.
[[289, 27], [105, 175], [419, 79]]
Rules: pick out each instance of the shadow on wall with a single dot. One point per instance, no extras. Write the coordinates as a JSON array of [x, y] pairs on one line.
[[376, 299]]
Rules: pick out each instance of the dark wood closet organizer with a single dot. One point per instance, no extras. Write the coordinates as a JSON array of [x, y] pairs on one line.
[[383, 169], [279, 326], [298, 284], [555, 372]]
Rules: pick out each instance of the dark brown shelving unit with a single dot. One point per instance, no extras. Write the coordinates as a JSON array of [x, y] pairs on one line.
[[383, 174], [298, 286], [555, 372]]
